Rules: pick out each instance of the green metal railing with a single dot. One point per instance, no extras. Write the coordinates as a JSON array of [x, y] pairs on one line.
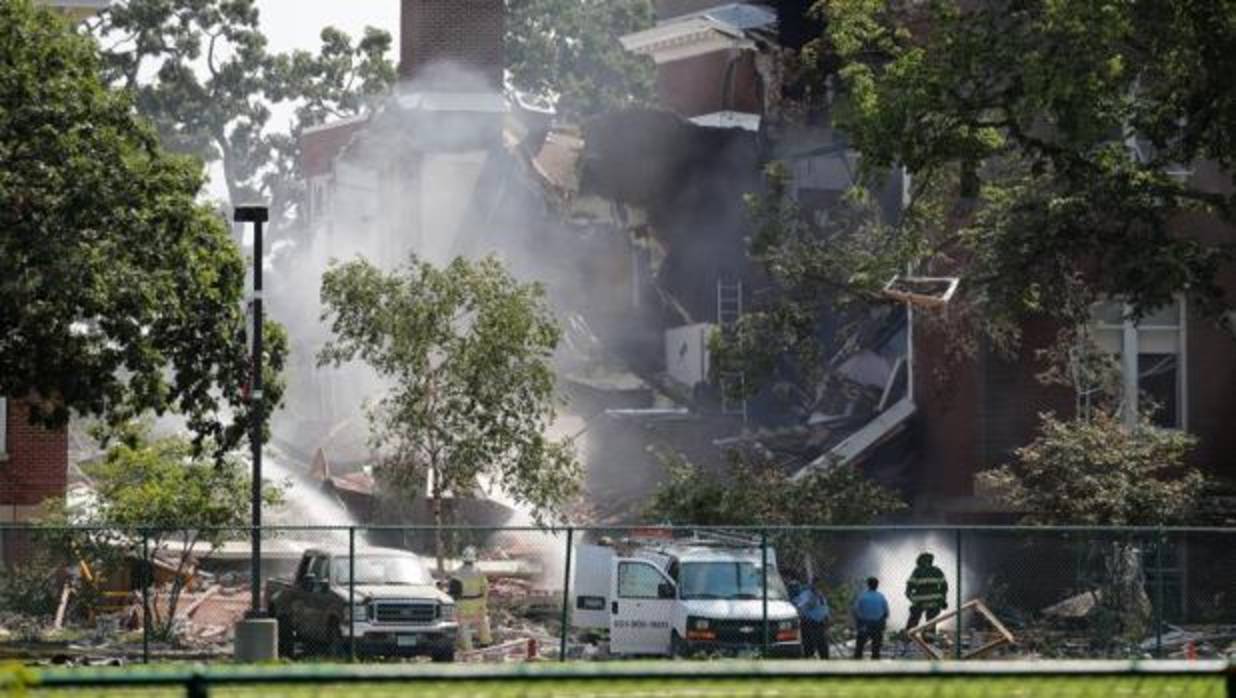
[[1208, 679]]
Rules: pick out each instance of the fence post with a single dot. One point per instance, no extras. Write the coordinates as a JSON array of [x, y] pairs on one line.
[[351, 593], [197, 687], [764, 584], [957, 600], [566, 595], [147, 578], [1158, 611]]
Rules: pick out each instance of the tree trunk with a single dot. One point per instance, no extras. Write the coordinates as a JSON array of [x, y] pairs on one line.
[[439, 546]]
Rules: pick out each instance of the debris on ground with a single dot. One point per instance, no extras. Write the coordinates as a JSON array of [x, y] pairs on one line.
[[1075, 607]]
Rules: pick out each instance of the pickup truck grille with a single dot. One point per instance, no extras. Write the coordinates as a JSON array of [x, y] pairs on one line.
[[405, 612]]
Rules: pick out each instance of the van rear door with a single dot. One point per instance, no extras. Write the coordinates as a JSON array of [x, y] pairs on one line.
[[641, 608], [594, 566]]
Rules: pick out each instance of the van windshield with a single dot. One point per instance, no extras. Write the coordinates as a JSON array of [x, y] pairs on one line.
[[382, 569], [728, 580]]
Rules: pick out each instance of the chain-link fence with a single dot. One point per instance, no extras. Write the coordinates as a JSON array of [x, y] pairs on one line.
[[89, 595]]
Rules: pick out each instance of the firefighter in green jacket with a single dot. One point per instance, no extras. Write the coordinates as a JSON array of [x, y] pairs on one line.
[[470, 588], [927, 591]]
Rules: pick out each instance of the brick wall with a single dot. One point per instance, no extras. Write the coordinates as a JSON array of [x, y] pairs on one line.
[[37, 464], [466, 32], [710, 83], [35, 469]]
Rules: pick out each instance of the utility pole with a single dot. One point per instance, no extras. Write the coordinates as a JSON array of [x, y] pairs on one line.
[[256, 636]]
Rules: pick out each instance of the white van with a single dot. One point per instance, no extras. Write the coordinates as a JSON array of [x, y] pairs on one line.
[[678, 598]]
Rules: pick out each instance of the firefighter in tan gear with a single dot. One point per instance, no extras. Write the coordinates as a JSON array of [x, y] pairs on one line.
[[471, 591]]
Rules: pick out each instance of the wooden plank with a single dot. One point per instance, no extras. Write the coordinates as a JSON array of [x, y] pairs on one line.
[[65, 592], [197, 603]]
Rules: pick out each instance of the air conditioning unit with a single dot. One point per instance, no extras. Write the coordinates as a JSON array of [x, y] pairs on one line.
[[686, 353]]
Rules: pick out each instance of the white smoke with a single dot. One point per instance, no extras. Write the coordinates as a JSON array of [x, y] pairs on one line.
[[406, 184]]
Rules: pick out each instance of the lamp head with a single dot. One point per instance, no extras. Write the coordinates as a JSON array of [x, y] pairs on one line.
[[251, 213]]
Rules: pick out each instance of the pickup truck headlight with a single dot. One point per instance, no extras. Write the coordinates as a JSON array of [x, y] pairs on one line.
[[360, 612], [446, 611]]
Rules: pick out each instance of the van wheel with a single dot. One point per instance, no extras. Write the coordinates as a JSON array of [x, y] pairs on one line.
[[678, 646]]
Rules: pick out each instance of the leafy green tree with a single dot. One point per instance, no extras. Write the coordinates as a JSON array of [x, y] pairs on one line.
[[756, 492], [466, 350], [183, 506], [119, 292], [1099, 471], [1058, 132], [569, 49], [208, 66], [824, 296], [201, 71]]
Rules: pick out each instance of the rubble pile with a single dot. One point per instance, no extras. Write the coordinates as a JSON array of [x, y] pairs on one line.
[[524, 615]]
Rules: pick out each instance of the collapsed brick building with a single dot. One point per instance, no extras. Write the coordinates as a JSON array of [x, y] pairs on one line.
[[644, 212]]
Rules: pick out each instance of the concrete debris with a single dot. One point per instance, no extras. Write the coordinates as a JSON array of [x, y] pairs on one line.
[[1203, 641], [1078, 606]]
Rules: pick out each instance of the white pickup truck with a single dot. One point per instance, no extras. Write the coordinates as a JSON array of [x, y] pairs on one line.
[[683, 598]]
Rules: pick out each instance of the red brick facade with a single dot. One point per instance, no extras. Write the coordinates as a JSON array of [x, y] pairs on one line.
[[34, 468], [713, 82], [463, 32], [37, 463], [973, 413]]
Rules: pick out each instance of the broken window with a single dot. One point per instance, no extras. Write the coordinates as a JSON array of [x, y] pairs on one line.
[[1151, 355]]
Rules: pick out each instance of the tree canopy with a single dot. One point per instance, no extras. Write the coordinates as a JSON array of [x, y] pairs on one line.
[[466, 350], [1100, 471], [182, 505], [756, 492], [570, 49], [1062, 134], [119, 292], [201, 71]]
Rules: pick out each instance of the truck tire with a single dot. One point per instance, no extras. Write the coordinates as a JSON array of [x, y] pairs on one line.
[[287, 635], [336, 646]]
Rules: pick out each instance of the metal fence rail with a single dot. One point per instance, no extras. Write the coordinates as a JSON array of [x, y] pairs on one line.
[[1209, 679], [102, 593]]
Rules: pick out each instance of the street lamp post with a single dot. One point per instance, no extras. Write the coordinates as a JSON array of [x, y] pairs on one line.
[[256, 636], [257, 215]]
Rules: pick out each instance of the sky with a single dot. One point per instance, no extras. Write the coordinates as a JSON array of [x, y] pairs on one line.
[[297, 24], [293, 24]]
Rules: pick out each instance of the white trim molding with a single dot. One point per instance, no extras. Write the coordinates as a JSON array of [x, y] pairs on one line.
[[728, 119], [1156, 333], [4, 428], [675, 41]]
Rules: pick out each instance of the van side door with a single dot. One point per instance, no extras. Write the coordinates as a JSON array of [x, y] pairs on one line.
[[641, 608]]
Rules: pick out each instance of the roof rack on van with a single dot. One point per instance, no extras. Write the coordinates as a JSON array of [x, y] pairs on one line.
[[709, 538], [729, 539]]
